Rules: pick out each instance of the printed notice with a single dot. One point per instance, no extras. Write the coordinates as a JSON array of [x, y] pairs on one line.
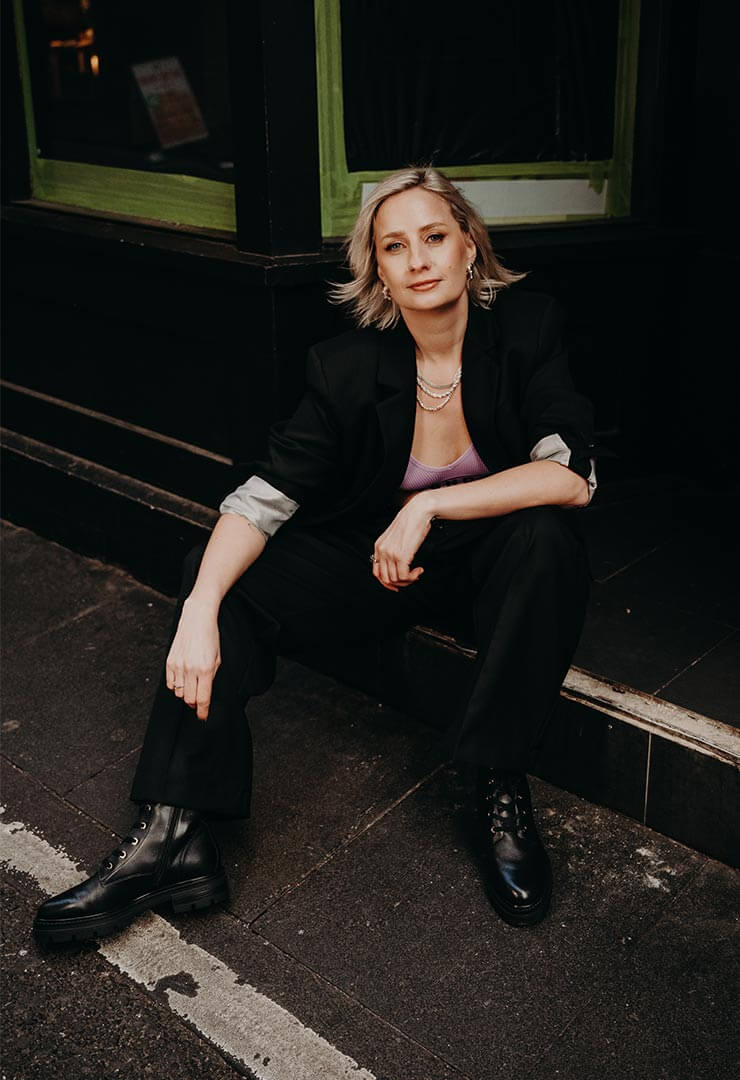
[[171, 103]]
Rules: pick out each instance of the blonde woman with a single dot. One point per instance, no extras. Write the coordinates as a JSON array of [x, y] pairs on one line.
[[436, 460]]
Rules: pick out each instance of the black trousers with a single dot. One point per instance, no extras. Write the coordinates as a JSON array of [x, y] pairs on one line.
[[525, 577]]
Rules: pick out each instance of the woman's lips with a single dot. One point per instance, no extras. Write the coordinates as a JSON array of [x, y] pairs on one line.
[[422, 286]]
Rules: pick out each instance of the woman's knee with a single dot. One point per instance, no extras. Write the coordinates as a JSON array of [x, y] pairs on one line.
[[545, 534]]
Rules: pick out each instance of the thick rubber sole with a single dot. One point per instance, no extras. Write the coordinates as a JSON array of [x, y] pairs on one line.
[[514, 916], [194, 895]]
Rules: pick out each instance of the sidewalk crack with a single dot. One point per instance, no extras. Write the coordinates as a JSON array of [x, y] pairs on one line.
[[343, 844], [357, 1001], [70, 621]]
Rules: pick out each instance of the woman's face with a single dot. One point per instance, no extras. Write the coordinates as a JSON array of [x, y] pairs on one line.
[[421, 251]]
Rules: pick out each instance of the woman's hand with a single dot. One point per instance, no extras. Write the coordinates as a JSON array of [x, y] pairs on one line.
[[396, 547], [195, 655]]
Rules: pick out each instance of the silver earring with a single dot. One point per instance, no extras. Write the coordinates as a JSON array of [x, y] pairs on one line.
[[470, 271], [386, 294]]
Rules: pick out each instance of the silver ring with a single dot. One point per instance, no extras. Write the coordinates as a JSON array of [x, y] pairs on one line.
[[180, 687], [373, 559]]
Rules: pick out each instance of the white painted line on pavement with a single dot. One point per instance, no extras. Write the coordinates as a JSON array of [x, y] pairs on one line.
[[236, 1018]]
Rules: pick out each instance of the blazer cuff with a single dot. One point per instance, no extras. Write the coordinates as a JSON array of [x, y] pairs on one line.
[[554, 448], [263, 505]]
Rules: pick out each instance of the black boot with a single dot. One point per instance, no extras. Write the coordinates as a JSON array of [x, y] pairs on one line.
[[514, 863], [169, 856]]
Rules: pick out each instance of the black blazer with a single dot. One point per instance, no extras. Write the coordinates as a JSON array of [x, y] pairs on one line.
[[344, 452]]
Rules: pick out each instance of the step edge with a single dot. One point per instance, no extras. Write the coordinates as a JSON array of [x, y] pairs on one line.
[[663, 718], [657, 716], [127, 487], [116, 422]]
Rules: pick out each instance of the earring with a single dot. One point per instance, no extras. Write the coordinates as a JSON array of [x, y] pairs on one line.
[[386, 294], [470, 271]]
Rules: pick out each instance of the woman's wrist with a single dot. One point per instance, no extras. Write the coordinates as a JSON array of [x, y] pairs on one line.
[[425, 503], [203, 599]]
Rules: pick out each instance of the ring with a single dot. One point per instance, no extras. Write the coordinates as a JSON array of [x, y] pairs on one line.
[[373, 559], [180, 687]]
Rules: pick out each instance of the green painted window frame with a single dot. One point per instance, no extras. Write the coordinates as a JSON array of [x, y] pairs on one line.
[[169, 198], [341, 190]]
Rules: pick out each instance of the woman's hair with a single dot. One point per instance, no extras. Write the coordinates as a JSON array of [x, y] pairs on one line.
[[364, 293]]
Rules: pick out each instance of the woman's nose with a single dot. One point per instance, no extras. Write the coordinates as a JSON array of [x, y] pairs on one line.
[[418, 257]]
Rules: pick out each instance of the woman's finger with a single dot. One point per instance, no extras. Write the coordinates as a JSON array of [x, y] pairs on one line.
[[203, 696], [178, 682], [385, 575], [190, 688], [402, 571]]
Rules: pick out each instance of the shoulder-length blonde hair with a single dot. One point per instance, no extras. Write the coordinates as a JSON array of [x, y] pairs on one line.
[[364, 293]]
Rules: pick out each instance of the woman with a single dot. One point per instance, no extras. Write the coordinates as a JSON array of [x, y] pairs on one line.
[[435, 459]]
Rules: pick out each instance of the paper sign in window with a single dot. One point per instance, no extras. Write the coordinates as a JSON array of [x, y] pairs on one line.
[[170, 101]]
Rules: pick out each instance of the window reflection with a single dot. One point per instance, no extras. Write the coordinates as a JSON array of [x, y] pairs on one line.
[[140, 84]]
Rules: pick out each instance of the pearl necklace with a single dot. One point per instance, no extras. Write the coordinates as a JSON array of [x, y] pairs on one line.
[[447, 390]]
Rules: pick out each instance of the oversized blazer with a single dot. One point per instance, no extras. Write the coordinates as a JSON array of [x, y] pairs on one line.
[[342, 455]]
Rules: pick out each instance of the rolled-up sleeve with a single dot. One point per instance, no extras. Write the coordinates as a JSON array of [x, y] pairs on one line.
[[260, 503], [300, 464], [558, 419]]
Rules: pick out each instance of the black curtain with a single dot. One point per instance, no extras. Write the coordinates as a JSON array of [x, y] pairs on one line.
[[472, 82]]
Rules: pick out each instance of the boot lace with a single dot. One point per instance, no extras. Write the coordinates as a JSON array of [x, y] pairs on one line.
[[508, 808], [131, 840]]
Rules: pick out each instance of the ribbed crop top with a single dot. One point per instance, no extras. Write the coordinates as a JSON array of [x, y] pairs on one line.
[[467, 467]]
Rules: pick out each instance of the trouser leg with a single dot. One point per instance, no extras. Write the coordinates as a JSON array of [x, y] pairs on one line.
[[207, 765], [305, 588], [530, 583]]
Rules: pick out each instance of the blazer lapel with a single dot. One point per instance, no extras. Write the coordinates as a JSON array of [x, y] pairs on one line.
[[480, 383], [397, 405], [397, 389]]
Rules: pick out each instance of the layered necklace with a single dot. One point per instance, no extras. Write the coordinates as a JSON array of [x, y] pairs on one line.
[[432, 389]]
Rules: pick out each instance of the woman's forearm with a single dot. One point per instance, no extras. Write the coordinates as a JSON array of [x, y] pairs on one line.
[[232, 548], [538, 483]]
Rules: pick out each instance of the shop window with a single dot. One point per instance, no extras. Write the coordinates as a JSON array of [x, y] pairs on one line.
[[528, 105], [128, 108]]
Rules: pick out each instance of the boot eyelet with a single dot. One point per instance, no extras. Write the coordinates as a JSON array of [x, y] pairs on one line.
[[109, 866], [142, 824], [134, 840], [121, 854], [147, 806]]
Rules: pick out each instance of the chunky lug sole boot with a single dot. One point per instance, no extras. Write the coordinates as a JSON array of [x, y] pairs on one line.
[[169, 857], [514, 863]]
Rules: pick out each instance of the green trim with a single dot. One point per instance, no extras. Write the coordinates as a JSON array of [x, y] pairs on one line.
[[619, 190], [167, 197], [341, 191], [338, 192], [25, 73]]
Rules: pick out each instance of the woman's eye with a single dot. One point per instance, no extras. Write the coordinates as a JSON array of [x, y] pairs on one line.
[[436, 236], [389, 247]]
